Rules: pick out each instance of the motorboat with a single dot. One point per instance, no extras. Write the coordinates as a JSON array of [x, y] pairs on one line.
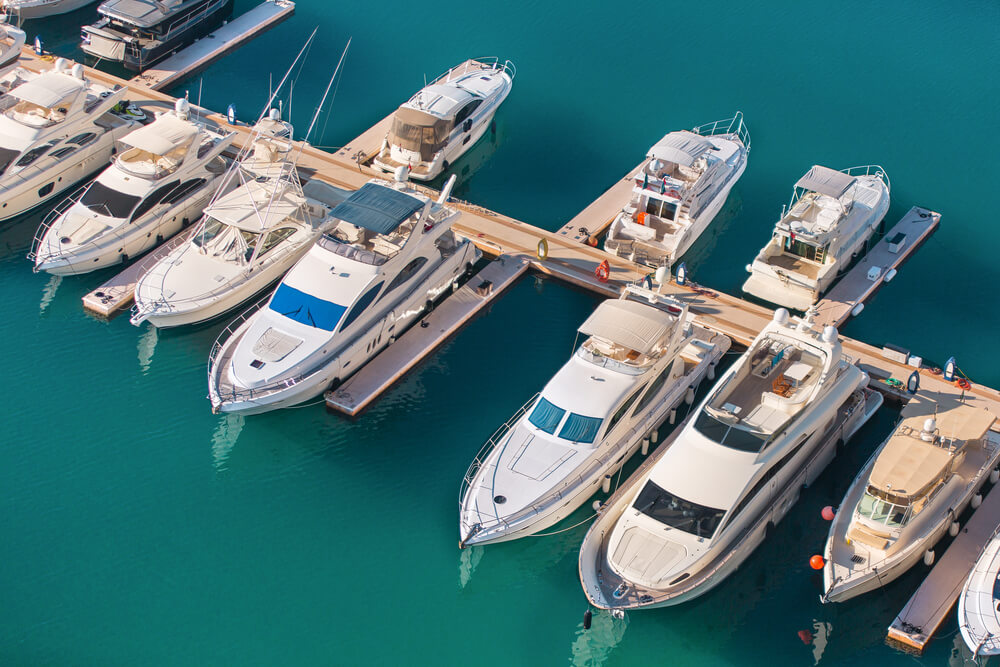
[[249, 236], [390, 253], [19, 10], [446, 118], [140, 33], [701, 504], [11, 43], [678, 191], [162, 177], [642, 357], [909, 494], [56, 128], [831, 216], [979, 603]]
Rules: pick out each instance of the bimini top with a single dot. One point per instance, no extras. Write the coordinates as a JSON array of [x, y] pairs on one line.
[[142, 13], [682, 148], [377, 208], [252, 207], [826, 181], [161, 136], [48, 89], [629, 324], [909, 466]]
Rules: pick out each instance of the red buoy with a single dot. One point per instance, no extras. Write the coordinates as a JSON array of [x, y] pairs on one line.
[[828, 513], [603, 271], [816, 562], [806, 637]]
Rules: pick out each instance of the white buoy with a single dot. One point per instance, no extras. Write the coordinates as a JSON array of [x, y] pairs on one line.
[[61, 65], [994, 476], [606, 484], [889, 275], [401, 173], [953, 528], [857, 309], [673, 415], [977, 500], [929, 557], [645, 446], [829, 333], [749, 268], [77, 71], [711, 371], [274, 114], [689, 396], [654, 436], [597, 505]]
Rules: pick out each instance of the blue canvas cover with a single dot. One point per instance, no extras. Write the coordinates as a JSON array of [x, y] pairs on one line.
[[377, 208]]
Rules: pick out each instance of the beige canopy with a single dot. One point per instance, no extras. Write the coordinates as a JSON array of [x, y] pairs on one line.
[[416, 130], [48, 89], [629, 324], [162, 136]]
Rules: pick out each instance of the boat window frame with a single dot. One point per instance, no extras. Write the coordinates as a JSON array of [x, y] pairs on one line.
[[32, 155], [587, 422], [412, 268], [653, 387], [103, 207], [267, 246], [907, 512], [542, 427], [467, 111], [152, 200], [360, 305], [715, 516], [623, 408], [183, 190]]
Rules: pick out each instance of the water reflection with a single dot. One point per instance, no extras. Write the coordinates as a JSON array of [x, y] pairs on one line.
[[466, 166], [225, 437], [49, 293], [821, 635], [146, 347], [594, 646], [468, 559]]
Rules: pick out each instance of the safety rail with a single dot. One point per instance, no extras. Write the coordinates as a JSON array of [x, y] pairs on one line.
[[869, 170], [734, 125], [51, 218], [491, 63], [639, 252], [490, 445], [179, 24]]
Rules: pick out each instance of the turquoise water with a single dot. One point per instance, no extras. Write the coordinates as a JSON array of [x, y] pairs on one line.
[[141, 529]]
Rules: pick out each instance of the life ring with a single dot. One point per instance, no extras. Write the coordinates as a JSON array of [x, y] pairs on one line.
[[963, 383], [592, 241], [641, 218], [603, 271], [543, 249]]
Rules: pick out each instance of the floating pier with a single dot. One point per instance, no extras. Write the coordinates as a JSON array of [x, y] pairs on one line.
[[395, 361], [594, 220], [878, 266], [916, 624], [230, 36]]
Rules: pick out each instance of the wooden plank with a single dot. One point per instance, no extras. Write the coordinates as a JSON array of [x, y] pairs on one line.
[[395, 361], [923, 614], [855, 287], [598, 216], [230, 36]]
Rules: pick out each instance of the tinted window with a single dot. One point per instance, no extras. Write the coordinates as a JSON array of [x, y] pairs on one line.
[[661, 209], [6, 157], [546, 416], [408, 272], [362, 303], [274, 238], [102, 199], [467, 111], [725, 434], [306, 308], [183, 190], [33, 155], [654, 387], [82, 139], [153, 199], [580, 429], [621, 411], [676, 512], [63, 152]]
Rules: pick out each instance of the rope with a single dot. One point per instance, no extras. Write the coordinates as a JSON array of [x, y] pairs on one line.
[[306, 405], [556, 532]]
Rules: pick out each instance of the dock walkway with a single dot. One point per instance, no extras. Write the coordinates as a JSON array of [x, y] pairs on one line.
[[396, 360]]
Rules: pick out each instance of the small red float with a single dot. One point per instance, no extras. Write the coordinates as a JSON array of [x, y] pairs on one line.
[[828, 513], [816, 562], [603, 271]]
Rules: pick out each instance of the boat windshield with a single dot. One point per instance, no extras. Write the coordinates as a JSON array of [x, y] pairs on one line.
[[676, 512], [306, 308], [882, 511], [579, 428], [7, 156], [101, 199], [229, 243], [546, 416], [729, 435]]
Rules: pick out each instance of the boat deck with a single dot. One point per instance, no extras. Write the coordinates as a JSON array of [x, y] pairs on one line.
[[794, 265], [216, 44], [855, 287]]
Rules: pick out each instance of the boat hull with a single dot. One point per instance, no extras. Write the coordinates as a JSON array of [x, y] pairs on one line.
[[41, 8]]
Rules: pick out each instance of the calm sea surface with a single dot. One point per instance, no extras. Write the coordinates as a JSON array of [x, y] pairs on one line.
[[138, 528]]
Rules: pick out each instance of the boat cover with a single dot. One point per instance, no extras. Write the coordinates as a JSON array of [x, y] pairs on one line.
[[419, 131], [162, 136], [48, 89], [826, 181], [630, 324], [377, 208], [252, 207], [681, 148]]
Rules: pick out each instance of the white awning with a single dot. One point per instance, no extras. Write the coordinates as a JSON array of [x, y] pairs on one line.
[[48, 89], [826, 181], [161, 136], [682, 148], [252, 209], [629, 324]]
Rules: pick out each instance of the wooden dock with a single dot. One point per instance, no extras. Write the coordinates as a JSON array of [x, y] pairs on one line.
[[916, 624], [886, 256], [230, 36], [598, 216], [117, 293], [419, 341]]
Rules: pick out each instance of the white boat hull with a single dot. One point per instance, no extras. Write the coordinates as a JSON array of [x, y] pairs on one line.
[[978, 616], [34, 9]]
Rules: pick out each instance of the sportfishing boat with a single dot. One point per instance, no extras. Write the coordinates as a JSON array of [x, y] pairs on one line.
[[20, 10], [700, 505], [249, 236], [139, 33], [163, 176], [446, 118], [641, 359], [390, 253], [55, 129], [679, 191], [827, 224], [979, 603], [909, 494]]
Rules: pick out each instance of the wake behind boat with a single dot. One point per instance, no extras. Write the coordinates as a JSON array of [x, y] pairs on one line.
[[909, 493], [699, 507], [641, 359], [827, 224], [679, 191], [388, 254]]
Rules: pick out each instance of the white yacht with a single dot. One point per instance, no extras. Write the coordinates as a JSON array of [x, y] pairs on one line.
[[249, 236], [641, 358], [827, 224], [979, 603], [705, 500], [55, 129], [11, 42], [162, 177], [679, 191], [34, 9], [446, 118], [391, 252], [909, 493]]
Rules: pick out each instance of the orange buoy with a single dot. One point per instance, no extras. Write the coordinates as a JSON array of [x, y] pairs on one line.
[[828, 513], [603, 271], [641, 218], [592, 241], [963, 383], [817, 562]]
